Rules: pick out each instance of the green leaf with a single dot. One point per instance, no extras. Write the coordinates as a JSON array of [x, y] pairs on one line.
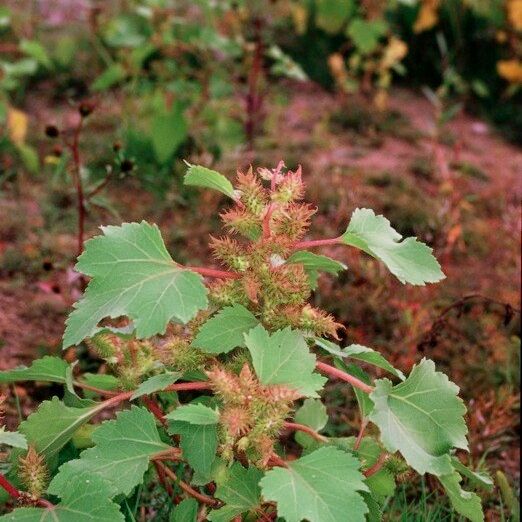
[[114, 74], [331, 15], [12, 438], [225, 330], [478, 478], [464, 502], [409, 260], [199, 176], [156, 383], [133, 274], [240, 492], [422, 417], [185, 511], [52, 425], [366, 34], [169, 131], [314, 263], [313, 414], [284, 358], [323, 486], [199, 444], [46, 369], [84, 499], [363, 399], [37, 51], [121, 454], [360, 353], [194, 413]]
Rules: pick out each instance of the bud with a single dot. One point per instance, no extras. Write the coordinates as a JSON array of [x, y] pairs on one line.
[[106, 345], [51, 131], [116, 146], [57, 151], [86, 108]]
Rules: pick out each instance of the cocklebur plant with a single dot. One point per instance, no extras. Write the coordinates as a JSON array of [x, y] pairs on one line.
[[223, 368]]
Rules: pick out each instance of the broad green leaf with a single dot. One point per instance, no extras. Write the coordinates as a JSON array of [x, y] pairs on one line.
[[331, 15], [52, 425], [225, 330], [12, 438], [313, 414], [156, 383], [185, 511], [240, 492], [360, 353], [409, 260], [374, 508], [464, 502], [169, 131], [133, 274], [199, 176], [114, 74], [284, 358], [37, 51], [323, 486], [478, 478], [422, 417], [366, 34], [199, 444], [83, 499], [121, 453], [194, 413], [46, 369]]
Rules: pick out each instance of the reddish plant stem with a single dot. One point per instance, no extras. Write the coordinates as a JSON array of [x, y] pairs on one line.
[[99, 391], [317, 243], [305, 429], [75, 149], [276, 460], [163, 480], [357, 444], [377, 466], [188, 489], [212, 272], [15, 493], [339, 374], [155, 409], [11, 490]]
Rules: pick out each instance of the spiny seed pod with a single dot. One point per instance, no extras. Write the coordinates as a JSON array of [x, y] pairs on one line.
[[51, 131], [106, 345], [179, 355], [33, 473], [253, 194], [291, 188]]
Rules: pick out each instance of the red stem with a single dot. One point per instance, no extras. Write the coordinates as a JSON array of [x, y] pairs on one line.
[[305, 429], [377, 466], [339, 374], [364, 423], [163, 480], [317, 242], [155, 409], [211, 272], [9, 488], [278, 461]]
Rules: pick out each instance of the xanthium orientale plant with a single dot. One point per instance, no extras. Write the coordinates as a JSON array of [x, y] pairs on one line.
[[224, 368]]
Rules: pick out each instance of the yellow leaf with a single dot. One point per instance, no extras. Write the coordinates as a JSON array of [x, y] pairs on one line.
[[428, 16], [514, 12], [395, 51], [300, 17], [510, 70], [17, 126]]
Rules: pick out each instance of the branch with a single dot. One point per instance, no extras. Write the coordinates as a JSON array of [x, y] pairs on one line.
[[212, 272], [317, 243], [305, 429], [189, 489], [339, 374]]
